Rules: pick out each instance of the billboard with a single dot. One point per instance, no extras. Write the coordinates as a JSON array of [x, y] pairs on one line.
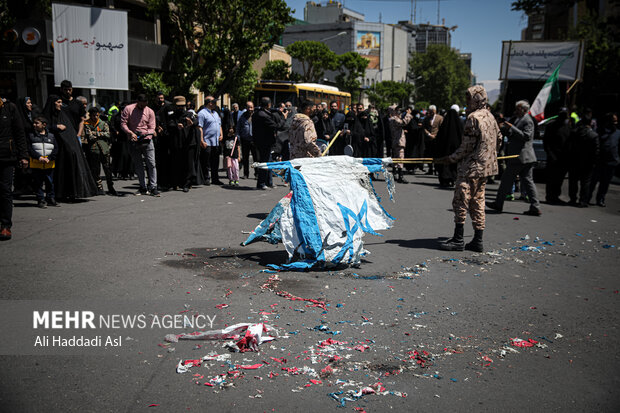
[[90, 47], [538, 60], [369, 45]]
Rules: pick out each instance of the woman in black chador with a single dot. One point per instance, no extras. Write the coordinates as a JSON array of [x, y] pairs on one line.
[[447, 141], [72, 178]]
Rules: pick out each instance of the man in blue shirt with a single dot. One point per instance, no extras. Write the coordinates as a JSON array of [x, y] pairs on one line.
[[210, 125]]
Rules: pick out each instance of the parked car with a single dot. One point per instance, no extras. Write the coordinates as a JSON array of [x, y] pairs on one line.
[[541, 155]]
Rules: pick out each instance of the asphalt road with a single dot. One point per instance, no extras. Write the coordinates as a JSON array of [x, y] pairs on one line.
[[425, 329]]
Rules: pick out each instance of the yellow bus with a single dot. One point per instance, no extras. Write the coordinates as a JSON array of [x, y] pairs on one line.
[[284, 91]]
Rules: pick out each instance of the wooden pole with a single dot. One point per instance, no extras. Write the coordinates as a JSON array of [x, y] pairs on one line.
[[331, 143], [572, 86], [426, 160]]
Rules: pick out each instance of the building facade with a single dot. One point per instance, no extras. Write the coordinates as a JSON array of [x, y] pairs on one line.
[[27, 52], [555, 20], [344, 30]]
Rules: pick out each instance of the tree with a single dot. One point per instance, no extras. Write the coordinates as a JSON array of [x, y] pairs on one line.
[[602, 51], [12, 10], [352, 67], [242, 88], [276, 70], [389, 92], [315, 57], [444, 76], [214, 44], [152, 83], [529, 6], [602, 58]]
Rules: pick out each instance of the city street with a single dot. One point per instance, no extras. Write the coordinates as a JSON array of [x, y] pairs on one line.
[[532, 323]]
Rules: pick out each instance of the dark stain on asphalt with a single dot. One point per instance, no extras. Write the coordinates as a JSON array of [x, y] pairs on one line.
[[223, 263]]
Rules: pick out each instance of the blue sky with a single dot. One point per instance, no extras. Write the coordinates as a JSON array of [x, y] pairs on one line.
[[482, 25]]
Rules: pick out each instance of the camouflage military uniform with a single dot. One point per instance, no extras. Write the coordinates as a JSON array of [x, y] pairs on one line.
[[302, 138], [96, 145], [477, 159], [397, 130]]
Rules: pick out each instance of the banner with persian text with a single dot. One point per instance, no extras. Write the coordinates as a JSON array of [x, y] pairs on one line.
[[90, 47], [537, 60]]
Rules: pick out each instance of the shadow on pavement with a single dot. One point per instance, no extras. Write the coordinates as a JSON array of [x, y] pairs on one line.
[[427, 243], [260, 215]]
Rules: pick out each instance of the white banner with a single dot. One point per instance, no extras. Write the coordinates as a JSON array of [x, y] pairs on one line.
[[90, 47], [538, 60]]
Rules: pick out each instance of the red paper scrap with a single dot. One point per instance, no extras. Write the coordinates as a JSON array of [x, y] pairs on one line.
[[191, 363], [272, 284], [330, 341], [250, 367], [518, 342]]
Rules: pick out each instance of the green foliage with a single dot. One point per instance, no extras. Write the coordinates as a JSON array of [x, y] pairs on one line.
[[352, 66], [389, 92], [11, 10], [445, 77], [315, 57], [214, 43], [420, 104], [152, 83], [529, 6], [276, 70], [602, 57], [242, 88]]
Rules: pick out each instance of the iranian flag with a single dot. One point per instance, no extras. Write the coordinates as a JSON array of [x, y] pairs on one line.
[[550, 92]]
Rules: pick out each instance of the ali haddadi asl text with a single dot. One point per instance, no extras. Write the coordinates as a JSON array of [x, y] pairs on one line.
[[78, 341]]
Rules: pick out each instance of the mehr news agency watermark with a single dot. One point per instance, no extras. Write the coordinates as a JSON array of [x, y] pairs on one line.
[[88, 320]]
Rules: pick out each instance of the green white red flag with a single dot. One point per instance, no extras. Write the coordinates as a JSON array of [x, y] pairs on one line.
[[550, 92]]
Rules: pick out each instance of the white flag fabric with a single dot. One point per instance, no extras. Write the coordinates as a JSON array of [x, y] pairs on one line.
[[332, 204], [90, 47], [549, 93]]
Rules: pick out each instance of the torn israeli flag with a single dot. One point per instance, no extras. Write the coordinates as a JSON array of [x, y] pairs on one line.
[[331, 205]]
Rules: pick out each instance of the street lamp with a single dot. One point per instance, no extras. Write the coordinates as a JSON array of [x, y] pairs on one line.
[[332, 37], [385, 68]]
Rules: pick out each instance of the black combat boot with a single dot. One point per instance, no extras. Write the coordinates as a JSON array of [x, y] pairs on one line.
[[456, 242], [401, 178], [476, 243]]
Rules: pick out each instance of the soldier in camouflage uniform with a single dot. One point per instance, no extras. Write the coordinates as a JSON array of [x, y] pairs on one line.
[[302, 135], [477, 160], [399, 139], [96, 144]]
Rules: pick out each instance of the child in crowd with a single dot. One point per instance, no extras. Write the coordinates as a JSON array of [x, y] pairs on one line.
[[43, 149], [231, 151]]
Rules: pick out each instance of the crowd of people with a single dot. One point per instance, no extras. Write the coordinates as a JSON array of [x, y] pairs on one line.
[[168, 145]]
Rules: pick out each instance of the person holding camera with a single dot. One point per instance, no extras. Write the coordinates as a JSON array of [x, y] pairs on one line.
[[210, 126], [138, 122]]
